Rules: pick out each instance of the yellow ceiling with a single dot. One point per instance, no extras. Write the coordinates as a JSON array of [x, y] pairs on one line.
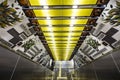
[[61, 2], [63, 12], [56, 22], [63, 34], [62, 28], [61, 40]]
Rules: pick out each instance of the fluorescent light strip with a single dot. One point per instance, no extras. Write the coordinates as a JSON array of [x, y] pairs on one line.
[[70, 30], [75, 6], [46, 7], [73, 17], [48, 18], [68, 42], [44, 2], [53, 41]]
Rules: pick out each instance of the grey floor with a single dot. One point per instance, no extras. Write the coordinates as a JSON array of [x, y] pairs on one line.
[[105, 68], [14, 67]]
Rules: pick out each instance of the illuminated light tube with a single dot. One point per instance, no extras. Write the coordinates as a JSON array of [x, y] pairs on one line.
[[53, 41], [46, 7], [69, 37], [50, 25], [71, 25], [48, 18], [70, 30], [73, 17], [75, 6]]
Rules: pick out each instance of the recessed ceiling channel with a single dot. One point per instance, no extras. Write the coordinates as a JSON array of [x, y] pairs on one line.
[[64, 23]]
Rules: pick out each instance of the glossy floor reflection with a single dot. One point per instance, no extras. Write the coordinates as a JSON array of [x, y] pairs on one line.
[[106, 68], [14, 67]]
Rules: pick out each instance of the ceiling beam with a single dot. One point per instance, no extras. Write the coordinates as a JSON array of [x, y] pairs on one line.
[[64, 31], [90, 6], [66, 25], [64, 17]]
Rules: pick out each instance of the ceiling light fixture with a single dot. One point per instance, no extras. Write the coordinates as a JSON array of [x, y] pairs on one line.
[[69, 40], [53, 41], [71, 25], [46, 7], [50, 25], [48, 17], [75, 6], [73, 17]]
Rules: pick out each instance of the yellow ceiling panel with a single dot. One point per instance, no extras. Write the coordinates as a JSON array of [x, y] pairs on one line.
[[63, 12], [63, 38], [63, 34], [61, 43], [62, 47], [56, 22], [62, 52], [61, 2], [62, 28]]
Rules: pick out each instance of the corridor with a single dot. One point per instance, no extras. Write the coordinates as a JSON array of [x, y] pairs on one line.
[[59, 40]]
